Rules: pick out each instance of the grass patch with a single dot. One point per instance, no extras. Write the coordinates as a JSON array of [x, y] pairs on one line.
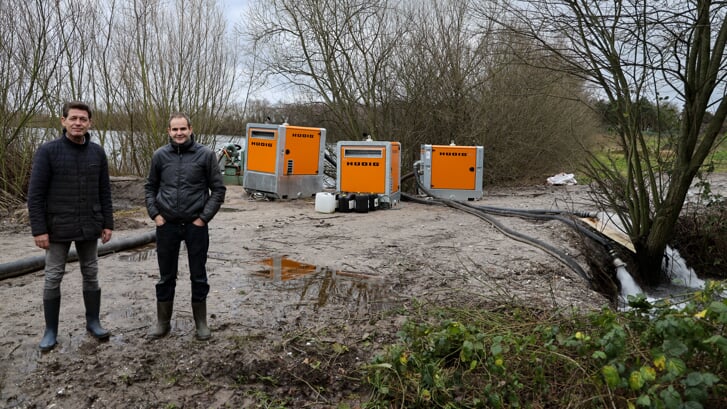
[[608, 151], [652, 356], [719, 158]]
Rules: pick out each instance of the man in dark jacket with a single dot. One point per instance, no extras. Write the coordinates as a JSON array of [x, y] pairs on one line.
[[183, 192], [69, 200]]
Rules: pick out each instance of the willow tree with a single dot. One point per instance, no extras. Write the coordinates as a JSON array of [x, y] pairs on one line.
[[629, 50]]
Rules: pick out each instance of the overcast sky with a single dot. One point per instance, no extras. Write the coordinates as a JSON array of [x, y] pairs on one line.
[[234, 9]]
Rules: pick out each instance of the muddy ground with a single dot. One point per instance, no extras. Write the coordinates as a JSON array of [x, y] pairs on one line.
[[300, 301]]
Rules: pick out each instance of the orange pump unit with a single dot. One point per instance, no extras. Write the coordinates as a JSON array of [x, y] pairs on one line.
[[284, 161], [452, 172], [370, 167]]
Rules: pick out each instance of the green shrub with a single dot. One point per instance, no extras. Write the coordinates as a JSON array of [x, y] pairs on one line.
[[701, 233], [654, 355]]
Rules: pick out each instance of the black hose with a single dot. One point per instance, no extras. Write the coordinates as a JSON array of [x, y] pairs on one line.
[[327, 156], [30, 264], [559, 255], [565, 217], [484, 212]]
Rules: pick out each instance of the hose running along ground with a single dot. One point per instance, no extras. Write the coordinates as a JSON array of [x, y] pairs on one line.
[[31, 264], [486, 213]]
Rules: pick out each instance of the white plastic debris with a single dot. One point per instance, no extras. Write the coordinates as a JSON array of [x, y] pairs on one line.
[[562, 179]]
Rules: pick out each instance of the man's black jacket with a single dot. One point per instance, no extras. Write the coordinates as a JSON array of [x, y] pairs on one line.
[[69, 196], [184, 183]]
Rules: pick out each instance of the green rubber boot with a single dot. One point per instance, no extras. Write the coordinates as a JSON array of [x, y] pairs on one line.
[[199, 310], [164, 318]]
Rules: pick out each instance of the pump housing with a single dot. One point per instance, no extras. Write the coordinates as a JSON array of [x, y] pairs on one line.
[[452, 172], [284, 161], [370, 168]]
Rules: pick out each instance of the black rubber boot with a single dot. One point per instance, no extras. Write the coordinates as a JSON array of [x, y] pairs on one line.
[[51, 309], [199, 310], [92, 301], [164, 317]]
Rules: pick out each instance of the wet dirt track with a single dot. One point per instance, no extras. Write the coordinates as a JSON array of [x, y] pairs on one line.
[[288, 287]]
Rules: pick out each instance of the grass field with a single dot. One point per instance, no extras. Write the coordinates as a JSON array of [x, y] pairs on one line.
[[719, 158], [607, 150]]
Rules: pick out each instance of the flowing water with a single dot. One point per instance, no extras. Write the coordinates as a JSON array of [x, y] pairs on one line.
[[629, 287], [675, 267], [682, 279]]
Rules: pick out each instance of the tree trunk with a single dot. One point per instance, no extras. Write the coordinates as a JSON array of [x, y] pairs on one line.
[[649, 254], [662, 228]]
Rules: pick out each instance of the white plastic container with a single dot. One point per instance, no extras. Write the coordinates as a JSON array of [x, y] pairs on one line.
[[325, 202]]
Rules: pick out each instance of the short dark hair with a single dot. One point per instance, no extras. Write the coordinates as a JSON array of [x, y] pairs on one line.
[[76, 105], [179, 115]]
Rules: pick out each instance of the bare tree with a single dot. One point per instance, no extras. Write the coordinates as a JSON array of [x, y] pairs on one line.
[[629, 50], [169, 57], [28, 65], [443, 65], [460, 83], [84, 72], [535, 121], [105, 90], [333, 51], [134, 61]]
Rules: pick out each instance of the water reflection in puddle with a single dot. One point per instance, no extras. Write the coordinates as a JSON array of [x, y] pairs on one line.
[[320, 286], [283, 269]]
